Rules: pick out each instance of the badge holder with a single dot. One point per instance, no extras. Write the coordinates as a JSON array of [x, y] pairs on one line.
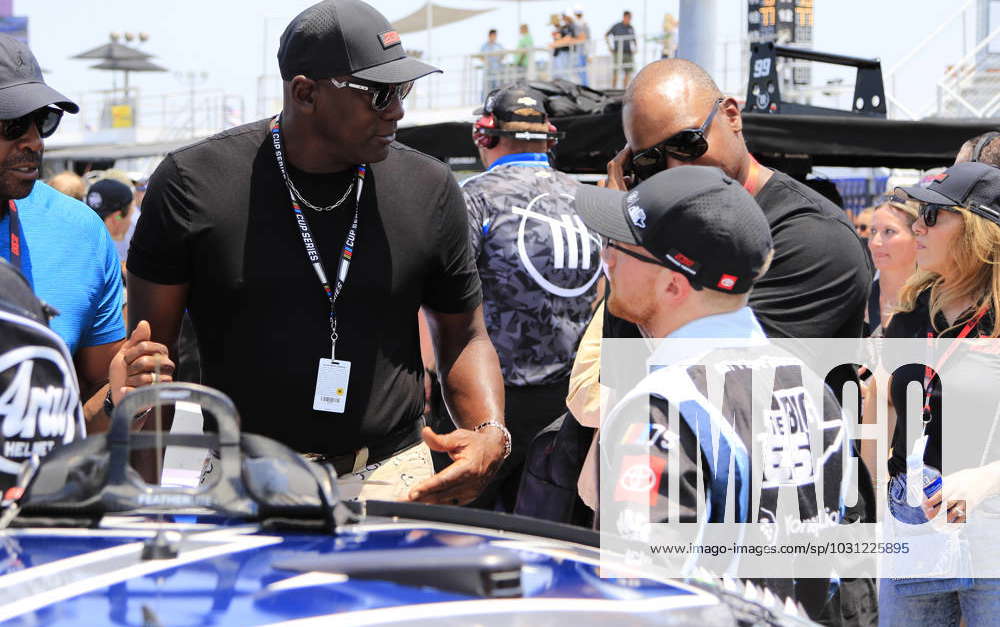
[[332, 379]]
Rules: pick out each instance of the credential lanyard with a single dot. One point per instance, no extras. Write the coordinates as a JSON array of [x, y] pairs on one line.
[[14, 224], [751, 183], [343, 266], [929, 374]]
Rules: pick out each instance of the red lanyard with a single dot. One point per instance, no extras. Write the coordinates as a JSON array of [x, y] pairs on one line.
[[929, 374], [751, 183], [14, 225]]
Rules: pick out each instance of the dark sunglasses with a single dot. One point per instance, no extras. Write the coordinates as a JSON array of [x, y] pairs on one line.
[[610, 244], [928, 212], [633, 254], [383, 95], [46, 120], [685, 145]]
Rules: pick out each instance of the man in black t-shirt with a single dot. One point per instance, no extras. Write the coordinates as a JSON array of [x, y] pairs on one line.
[[819, 281], [303, 247]]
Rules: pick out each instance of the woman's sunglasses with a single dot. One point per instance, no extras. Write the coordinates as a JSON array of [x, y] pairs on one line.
[[926, 211], [383, 95], [46, 120], [684, 145]]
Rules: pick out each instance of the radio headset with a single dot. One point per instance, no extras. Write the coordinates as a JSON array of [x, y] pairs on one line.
[[978, 150], [486, 131], [486, 134]]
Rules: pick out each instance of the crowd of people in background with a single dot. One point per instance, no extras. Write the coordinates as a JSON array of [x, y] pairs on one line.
[[571, 49], [491, 290]]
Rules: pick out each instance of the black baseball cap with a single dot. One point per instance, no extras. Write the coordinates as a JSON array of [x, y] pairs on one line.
[[108, 196], [346, 37], [503, 102], [971, 184], [695, 219], [22, 88]]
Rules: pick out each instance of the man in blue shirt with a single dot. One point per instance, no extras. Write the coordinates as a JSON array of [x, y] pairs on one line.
[[492, 62], [61, 246]]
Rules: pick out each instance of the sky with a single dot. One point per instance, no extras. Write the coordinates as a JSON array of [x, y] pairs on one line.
[[230, 44]]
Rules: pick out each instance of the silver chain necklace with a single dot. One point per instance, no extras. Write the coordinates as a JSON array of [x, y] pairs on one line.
[[305, 202]]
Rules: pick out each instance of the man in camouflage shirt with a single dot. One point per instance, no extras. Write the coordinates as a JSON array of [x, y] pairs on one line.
[[538, 265]]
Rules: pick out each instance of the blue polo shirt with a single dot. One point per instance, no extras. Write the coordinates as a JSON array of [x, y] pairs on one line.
[[69, 258]]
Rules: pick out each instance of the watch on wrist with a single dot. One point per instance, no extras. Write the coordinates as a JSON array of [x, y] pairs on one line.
[[109, 403], [503, 430], [109, 407]]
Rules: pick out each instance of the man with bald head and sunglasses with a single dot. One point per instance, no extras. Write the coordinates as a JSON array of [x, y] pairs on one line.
[[674, 114], [304, 245]]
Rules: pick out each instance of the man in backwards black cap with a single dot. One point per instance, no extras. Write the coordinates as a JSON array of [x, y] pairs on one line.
[[538, 264], [304, 245], [63, 250], [683, 250]]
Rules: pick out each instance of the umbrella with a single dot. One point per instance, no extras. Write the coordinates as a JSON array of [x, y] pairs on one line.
[[129, 65], [431, 16], [113, 50], [116, 56]]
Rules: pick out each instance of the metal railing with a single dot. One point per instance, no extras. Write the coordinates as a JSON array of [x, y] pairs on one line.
[[128, 115], [971, 87], [909, 93], [466, 79]]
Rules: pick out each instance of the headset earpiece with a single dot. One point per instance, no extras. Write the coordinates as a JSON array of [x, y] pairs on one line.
[[977, 152], [479, 135]]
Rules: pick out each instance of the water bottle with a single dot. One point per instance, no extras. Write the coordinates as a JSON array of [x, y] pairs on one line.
[[898, 505]]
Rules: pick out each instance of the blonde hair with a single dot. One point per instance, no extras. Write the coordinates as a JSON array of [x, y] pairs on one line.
[[868, 211], [910, 209], [976, 258], [69, 183]]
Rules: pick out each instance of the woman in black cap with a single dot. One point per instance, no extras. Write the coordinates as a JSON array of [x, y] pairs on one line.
[[954, 294]]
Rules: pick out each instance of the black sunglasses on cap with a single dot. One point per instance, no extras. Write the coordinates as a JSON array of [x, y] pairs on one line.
[[685, 145], [46, 120], [383, 94]]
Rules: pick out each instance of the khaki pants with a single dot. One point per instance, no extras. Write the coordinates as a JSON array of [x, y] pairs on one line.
[[388, 480]]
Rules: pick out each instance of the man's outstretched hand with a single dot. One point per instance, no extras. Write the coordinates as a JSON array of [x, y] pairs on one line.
[[477, 455]]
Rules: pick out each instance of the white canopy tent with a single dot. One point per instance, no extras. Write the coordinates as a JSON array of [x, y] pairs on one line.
[[430, 16]]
